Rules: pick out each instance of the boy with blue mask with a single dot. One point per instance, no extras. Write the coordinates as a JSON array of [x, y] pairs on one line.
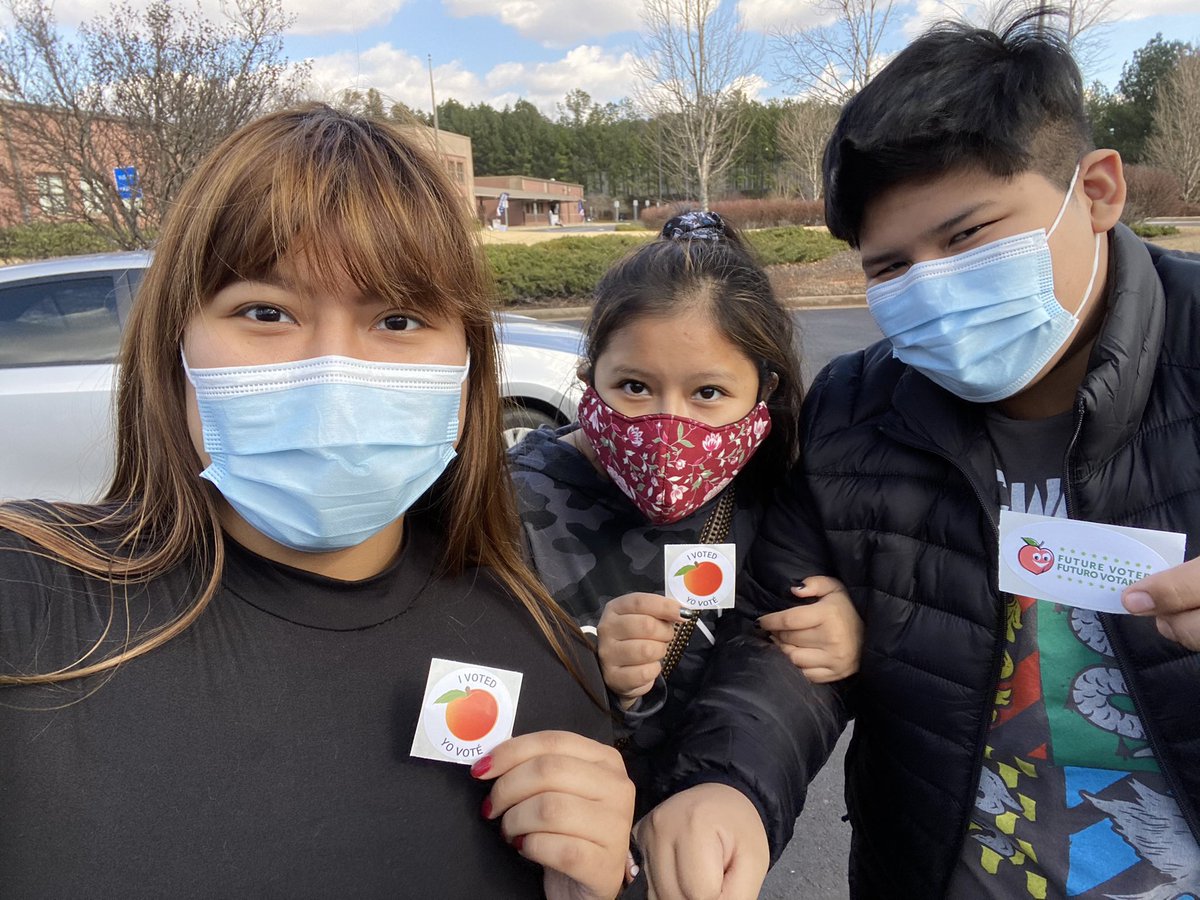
[[1038, 357]]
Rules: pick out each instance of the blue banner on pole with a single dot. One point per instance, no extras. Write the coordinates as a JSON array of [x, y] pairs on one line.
[[502, 204]]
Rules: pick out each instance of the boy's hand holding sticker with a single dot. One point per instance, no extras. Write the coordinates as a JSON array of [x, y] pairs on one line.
[[467, 710], [1081, 564]]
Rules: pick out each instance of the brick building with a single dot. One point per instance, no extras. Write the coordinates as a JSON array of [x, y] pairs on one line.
[[531, 201], [38, 182]]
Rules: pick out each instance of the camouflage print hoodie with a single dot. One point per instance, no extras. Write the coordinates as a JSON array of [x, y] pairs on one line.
[[589, 543]]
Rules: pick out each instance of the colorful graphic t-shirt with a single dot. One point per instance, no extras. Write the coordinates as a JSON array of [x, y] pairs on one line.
[[1071, 801]]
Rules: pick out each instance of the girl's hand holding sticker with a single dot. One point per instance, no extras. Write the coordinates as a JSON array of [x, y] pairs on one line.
[[634, 631], [565, 802], [823, 638]]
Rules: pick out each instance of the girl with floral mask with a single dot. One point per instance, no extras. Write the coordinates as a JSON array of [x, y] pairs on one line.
[[229, 654], [687, 425]]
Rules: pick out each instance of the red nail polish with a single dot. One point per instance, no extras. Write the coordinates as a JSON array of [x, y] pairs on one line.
[[481, 767], [486, 809], [518, 842]]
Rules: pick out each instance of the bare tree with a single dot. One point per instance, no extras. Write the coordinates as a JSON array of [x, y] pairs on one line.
[[832, 61], [692, 67], [154, 88], [1175, 142], [803, 132]]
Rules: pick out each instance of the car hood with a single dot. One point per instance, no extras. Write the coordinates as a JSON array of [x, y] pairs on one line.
[[529, 332]]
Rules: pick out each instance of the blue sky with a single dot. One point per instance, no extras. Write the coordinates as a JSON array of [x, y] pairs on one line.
[[496, 51]]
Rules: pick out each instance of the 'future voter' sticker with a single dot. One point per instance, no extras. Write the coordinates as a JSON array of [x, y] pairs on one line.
[[701, 576], [467, 710], [1078, 563]]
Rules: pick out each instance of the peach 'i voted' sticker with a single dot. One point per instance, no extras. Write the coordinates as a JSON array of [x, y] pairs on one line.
[[467, 710], [701, 576]]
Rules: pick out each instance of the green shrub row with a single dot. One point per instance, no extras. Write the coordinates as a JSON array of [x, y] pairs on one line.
[[570, 267], [1142, 230], [567, 267], [43, 239]]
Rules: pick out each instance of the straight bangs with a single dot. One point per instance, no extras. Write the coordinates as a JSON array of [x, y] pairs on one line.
[[356, 199]]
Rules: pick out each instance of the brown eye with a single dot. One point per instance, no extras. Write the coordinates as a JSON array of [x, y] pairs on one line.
[[399, 322], [267, 314]]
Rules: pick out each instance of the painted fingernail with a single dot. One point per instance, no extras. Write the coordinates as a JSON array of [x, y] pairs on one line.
[[1138, 602], [518, 842], [486, 809], [481, 767]]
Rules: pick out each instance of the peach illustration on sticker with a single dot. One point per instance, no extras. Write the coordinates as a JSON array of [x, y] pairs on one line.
[[701, 576], [467, 710]]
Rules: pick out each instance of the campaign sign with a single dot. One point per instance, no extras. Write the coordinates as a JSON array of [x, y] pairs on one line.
[[1077, 563]]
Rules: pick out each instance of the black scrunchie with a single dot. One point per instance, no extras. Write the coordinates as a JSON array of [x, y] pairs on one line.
[[696, 226]]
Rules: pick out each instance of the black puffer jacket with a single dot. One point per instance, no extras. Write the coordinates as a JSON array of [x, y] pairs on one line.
[[898, 486], [588, 544]]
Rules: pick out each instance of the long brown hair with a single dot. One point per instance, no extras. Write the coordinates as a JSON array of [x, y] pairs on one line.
[[357, 198]]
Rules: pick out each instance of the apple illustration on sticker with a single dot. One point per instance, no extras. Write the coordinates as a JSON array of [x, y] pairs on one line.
[[1035, 558], [470, 714]]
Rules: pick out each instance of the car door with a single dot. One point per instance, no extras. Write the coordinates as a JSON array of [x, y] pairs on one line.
[[59, 336]]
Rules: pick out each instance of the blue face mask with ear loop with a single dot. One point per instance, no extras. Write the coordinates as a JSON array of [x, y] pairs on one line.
[[320, 454], [982, 324]]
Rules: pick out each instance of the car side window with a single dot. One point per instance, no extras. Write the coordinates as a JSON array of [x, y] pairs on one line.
[[59, 321]]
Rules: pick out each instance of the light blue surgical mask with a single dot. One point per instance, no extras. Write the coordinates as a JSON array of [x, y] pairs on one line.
[[320, 454], [982, 324]]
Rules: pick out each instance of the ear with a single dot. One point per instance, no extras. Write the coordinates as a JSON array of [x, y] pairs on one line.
[[584, 373], [770, 385], [1103, 178]]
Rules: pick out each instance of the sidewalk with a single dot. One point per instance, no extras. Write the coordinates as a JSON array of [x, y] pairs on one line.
[[555, 313]]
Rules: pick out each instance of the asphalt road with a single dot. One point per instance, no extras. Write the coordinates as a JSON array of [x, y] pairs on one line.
[[813, 867]]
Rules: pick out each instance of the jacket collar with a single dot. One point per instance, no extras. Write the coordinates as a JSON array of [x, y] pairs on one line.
[[1113, 393], [1125, 356]]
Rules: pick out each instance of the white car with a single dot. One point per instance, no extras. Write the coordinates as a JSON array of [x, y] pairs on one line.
[[60, 329]]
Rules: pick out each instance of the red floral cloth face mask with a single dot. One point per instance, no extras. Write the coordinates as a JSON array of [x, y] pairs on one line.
[[669, 466]]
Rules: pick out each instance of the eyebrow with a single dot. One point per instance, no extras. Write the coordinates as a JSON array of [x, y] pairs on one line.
[[642, 375], [953, 222], [276, 279]]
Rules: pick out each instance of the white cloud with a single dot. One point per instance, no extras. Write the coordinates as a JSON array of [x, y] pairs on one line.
[[401, 76], [555, 22], [926, 12], [346, 16], [780, 15], [753, 86], [1139, 9], [310, 16]]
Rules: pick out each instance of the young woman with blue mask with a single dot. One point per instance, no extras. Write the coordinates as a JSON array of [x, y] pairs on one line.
[[232, 654]]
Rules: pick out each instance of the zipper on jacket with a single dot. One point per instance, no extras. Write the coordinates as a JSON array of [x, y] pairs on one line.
[[1181, 797], [997, 657]]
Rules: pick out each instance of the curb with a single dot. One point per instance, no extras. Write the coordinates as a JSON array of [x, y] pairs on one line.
[[835, 301]]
